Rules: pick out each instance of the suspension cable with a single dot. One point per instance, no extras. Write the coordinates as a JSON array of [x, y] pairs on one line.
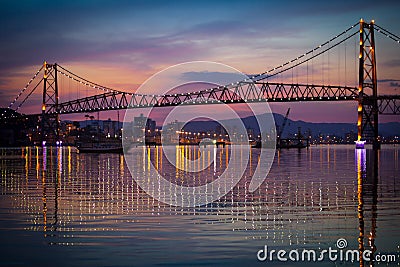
[[86, 82], [30, 93], [388, 34], [312, 57], [26, 86], [259, 76]]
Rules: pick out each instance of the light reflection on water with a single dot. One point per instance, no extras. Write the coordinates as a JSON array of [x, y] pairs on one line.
[[89, 207]]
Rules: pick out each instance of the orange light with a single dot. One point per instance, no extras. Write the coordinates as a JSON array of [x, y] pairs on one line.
[[43, 107], [45, 69], [359, 108]]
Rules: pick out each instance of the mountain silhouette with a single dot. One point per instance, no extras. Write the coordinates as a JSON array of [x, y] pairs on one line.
[[337, 129]]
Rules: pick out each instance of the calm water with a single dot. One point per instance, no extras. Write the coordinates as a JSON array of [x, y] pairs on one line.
[[62, 208]]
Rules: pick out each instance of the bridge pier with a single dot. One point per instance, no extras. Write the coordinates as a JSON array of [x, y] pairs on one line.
[[220, 143], [50, 123], [367, 122], [376, 145]]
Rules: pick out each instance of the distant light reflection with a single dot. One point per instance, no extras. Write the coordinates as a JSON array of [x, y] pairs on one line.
[[94, 194]]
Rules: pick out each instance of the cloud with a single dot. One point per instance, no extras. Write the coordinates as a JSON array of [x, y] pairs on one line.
[[215, 77], [392, 63], [391, 81], [394, 84], [98, 36], [237, 30]]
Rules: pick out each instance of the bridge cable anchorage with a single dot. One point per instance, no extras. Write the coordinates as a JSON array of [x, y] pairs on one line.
[[258, 77], [26, 86], [388, 34]]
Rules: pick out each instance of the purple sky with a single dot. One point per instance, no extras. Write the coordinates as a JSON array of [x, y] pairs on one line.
[[121, 44]]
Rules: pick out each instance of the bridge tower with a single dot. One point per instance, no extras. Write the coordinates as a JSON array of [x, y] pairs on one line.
[[50, 123], [367, 122]]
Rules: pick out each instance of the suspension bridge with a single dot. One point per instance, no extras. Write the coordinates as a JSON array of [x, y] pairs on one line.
[[262, 87]]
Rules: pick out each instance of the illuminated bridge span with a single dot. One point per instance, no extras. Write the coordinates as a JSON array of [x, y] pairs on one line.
[[257, 88], [243, 92]]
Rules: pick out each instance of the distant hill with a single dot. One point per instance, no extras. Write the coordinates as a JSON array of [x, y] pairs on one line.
[[338, 129]]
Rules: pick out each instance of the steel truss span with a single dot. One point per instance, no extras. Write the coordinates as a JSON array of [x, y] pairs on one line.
[[242, 92], [389, 104]]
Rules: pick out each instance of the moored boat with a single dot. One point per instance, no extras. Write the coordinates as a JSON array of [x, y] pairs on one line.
[[100, 148]]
